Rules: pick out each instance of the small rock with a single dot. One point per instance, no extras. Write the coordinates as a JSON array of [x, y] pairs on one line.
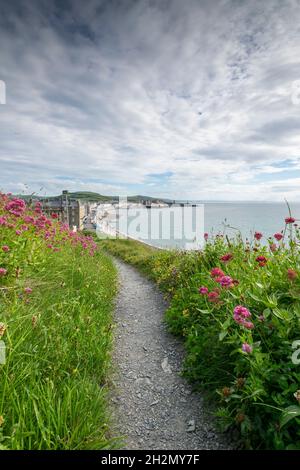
[[144, 348], [154, 403], [166, 366], [191, 426]]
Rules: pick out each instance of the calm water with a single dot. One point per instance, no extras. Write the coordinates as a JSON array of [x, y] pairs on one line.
[[267, 218]]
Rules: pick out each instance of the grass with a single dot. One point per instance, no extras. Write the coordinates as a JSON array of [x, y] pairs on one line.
[[236, 304], [56, 318]]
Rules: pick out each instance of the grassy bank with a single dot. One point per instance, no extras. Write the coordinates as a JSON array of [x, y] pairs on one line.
[[56, 299], [237, 306]]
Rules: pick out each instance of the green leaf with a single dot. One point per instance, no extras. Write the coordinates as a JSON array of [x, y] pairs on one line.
[[222, 335], [289, 413]]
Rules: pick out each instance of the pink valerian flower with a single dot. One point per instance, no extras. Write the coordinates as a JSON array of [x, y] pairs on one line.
[[15, 207], [278, 236], [18, 232], [54, 216], [292, 274], [206, 236], [3, 271], [240, 315], [247, 348], [5, 248], [258, 235], [225, 281], [216, 272], [3, 220], [28, 219], [226, 258], [242, 311], [203, 290], [24, 228], [28, 290], [289, 220]]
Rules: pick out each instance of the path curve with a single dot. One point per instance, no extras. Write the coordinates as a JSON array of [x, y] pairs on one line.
[[154, 407]]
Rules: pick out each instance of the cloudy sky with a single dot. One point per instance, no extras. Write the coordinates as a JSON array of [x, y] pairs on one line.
[[184, 99]]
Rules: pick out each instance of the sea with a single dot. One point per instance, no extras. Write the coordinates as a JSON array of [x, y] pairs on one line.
[[227, 218]]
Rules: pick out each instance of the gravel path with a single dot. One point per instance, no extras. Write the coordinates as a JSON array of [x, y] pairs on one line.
[[154, 407]]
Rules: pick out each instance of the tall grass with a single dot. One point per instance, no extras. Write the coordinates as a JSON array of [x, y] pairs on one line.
[[55, 312]]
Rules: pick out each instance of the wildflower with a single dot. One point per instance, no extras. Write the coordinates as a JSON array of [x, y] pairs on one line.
[[2, 329], [226, 392], [54, 216], [240, 382], [278, 236], [242, 311], [213, 296], [297, 395], [225, 281], [203, 290], [5, 248], [3, 220], [248, 324], [247, 348], [215, 272], [289, 220], [206, 236], [3, 272], [226, 258], [273, 247], [258, 235], [262, 260], [291, 274], [15, 207], [28, 290], [18, 232]]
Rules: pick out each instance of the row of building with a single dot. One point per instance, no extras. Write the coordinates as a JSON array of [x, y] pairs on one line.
[[69, 211]]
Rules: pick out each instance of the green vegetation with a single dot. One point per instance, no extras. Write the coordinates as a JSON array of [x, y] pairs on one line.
[[237, 306], [89, 196], [56, 300]]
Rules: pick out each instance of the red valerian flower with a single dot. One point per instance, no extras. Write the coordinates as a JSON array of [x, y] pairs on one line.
[[289, 220], [258, 235], [278, 236], [3, 271], [215, 272], [54, 216], [203, 290], [5, 248], [226, 258], [225, 281], [262, 260], [206, 236]]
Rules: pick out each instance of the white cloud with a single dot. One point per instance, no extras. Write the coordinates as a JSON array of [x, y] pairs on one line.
[[109, 93]]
